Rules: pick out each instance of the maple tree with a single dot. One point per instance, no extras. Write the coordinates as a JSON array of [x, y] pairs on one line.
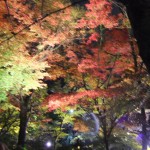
[[19, 76], [21, 73], [99, 60], [113, 45], [91, 54]]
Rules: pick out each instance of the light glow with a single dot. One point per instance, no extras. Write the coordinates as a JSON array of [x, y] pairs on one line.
[[48, 144], [71, 111]]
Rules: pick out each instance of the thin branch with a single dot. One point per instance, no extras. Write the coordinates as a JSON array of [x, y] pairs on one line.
[[42, 7], [40, 19], [124, 12], [8, 12]]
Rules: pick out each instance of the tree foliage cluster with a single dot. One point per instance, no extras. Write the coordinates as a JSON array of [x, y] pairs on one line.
[[70, 70]]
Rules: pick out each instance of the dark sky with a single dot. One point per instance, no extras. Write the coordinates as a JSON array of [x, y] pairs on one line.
[[81, 2]]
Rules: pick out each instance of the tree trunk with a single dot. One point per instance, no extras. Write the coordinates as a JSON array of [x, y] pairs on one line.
[[106, 142], [144, 131], [24, 110], [105, 135]]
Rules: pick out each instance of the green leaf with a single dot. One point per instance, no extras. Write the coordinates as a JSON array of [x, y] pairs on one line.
[[20, 74]]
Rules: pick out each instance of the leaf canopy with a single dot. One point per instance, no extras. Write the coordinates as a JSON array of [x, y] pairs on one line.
[[20, 74]]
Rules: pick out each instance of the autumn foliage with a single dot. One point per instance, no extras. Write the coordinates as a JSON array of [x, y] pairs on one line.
[[59, 54], [91, 50], [99, 61]]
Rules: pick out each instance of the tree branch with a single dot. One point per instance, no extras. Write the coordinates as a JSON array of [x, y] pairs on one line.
[[40, 19]]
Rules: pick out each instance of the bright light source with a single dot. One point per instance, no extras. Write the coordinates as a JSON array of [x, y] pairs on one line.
[[48, 144], [71, 111]]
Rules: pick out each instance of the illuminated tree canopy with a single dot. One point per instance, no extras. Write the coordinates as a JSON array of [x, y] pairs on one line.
[[72, 69]]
